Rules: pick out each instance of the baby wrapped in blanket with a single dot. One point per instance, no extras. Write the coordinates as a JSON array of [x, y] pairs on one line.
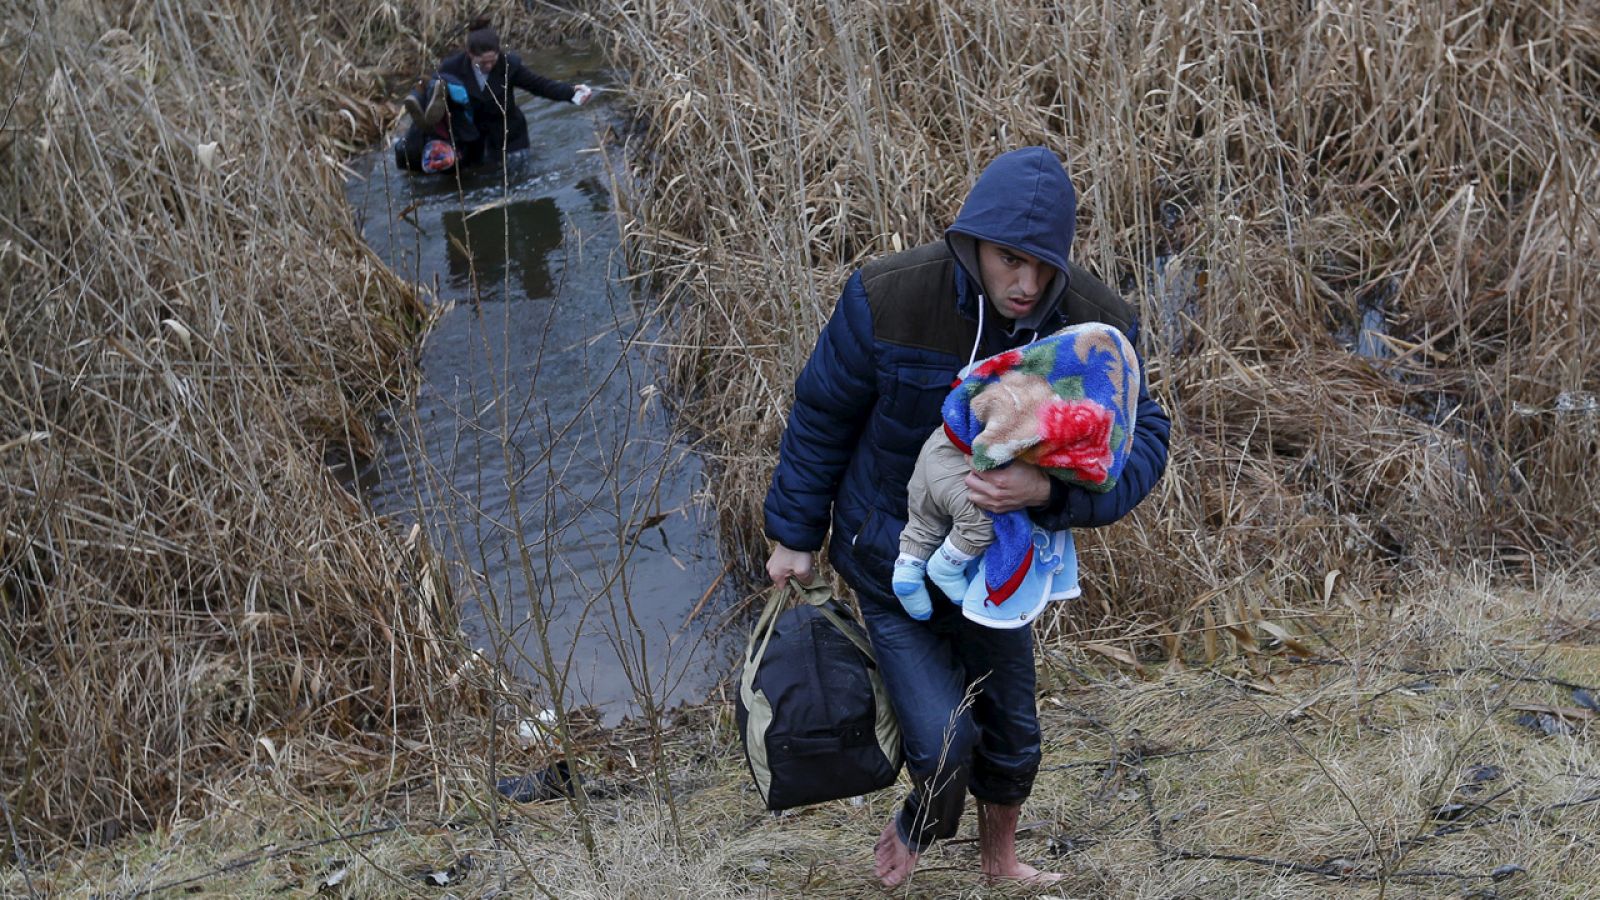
[[1065, 403]]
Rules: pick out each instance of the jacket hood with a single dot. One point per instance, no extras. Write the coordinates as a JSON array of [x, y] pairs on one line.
[[1023, 200]]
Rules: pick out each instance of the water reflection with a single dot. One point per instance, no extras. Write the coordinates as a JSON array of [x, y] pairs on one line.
[[504, 245], [534, 457]]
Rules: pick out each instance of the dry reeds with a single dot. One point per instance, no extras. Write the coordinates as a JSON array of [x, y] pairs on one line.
[[190, 324], [1359, 237]]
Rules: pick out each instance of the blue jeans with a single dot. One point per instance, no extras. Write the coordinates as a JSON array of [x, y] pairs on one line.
[[989, 745]]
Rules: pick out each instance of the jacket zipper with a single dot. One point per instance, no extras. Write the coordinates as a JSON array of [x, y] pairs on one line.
[[864, 523]]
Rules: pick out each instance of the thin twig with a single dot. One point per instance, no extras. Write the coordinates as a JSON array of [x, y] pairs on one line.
[[1329, 869], [1511, 816], [262, 857], [16, 847]]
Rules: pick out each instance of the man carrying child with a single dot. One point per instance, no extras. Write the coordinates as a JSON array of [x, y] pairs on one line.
[[865, 403]]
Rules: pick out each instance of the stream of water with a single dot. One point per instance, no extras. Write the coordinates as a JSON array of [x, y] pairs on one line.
[[538, 456]]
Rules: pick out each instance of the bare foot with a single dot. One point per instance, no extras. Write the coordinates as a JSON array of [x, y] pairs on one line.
[[895, 861], [997, 848], [1020, 873]]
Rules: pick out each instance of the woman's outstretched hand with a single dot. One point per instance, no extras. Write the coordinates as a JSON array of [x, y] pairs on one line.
[[581, 94]]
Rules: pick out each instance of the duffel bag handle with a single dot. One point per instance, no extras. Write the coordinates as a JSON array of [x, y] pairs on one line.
[[817, 594]]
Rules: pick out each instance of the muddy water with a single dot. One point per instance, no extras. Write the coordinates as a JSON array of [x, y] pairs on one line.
[[538, 456]]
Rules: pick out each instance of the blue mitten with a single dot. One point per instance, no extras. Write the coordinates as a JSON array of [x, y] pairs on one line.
[[948, 570], [908, 586]]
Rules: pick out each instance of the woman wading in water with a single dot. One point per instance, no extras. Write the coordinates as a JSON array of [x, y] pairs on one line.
[[467, 112]]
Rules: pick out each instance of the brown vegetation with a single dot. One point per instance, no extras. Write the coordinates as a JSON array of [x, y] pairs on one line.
[[1276, 186], [189, 325], [1400, 764]]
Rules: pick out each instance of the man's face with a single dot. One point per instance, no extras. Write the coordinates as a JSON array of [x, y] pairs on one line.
[[485, 61], [1014, 281]]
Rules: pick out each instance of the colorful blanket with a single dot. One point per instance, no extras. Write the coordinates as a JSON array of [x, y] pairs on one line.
[[438, 156], [1065, 403]]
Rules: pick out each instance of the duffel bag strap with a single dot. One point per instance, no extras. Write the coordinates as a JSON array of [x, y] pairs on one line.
[[850, 631], [762, 632], [777, 598], [816, 594], [821, 596]]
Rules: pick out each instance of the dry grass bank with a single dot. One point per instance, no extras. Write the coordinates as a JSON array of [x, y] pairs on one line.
[[190, 323], [1276, 186], [1396, 764]]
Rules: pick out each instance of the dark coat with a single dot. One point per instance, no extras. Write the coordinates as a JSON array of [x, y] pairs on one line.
[[903, 327], [503, 127]]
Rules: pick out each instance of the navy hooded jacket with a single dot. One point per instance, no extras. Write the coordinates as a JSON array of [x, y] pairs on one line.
[[903, 327]]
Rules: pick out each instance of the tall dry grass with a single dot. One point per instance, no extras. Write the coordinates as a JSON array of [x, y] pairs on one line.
[[1262, 180], [190, 326]]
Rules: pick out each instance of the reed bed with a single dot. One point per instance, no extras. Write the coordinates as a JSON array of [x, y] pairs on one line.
[[191, 328], [1359, 237]]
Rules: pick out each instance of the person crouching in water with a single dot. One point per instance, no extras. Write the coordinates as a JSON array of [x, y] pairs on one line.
[[441, 134]]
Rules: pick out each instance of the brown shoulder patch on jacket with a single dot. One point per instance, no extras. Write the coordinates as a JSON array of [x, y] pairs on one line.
[[1088, 299], [912, 298]]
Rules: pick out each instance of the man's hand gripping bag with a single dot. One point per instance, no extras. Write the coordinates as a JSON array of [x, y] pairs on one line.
[[812, 709]]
